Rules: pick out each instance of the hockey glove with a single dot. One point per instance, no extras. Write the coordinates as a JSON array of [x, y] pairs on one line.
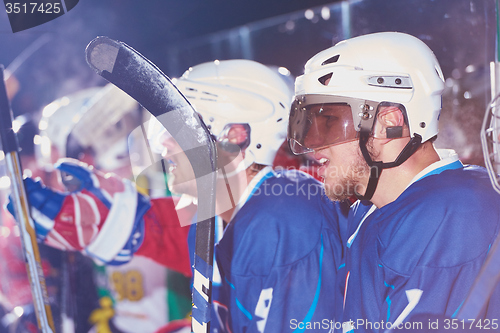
[[101, 215]]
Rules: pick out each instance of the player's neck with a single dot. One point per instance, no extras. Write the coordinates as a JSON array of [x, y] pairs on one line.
[[236, 195], [394, 181], [226, 216]]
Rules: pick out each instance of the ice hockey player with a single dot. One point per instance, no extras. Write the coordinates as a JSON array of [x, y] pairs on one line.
[[369, 107], [134, 292], [15, 292], [280, 250]]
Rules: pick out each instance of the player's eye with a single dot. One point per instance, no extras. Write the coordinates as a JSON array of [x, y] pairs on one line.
[[328, 119]]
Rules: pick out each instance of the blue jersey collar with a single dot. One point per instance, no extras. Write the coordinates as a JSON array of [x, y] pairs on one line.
[[254, 184], [449, 161]]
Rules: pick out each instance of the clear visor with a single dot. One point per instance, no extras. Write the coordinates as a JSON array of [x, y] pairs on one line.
[[319, 121]]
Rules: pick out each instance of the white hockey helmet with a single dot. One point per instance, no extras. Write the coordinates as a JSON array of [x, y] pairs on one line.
[[57, 122], [364, 73], [228, 92], [100, 118]]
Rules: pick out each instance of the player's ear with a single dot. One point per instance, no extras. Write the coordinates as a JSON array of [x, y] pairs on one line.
[[390, 123]]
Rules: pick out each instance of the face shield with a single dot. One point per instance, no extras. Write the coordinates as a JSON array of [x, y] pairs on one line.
[[320, 121]]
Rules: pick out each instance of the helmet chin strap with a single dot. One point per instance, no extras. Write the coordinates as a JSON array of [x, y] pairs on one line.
[[376, 167]]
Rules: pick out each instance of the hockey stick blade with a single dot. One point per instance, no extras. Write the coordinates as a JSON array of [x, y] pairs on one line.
[[142, 80], [22, 211], [137, 76]]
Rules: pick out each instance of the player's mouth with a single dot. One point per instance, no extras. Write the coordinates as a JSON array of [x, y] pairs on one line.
[[171, 165], [323, 164]]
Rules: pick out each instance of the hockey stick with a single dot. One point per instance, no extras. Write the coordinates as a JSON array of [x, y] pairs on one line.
[[142, 80], [21, 209]]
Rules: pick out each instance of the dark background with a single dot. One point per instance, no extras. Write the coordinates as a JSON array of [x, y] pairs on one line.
[[58, 67], [176, 34]]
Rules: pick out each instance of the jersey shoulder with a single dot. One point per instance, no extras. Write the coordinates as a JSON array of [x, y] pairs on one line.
[[444, 220], [469, 182], [291, 188], [281, 223]]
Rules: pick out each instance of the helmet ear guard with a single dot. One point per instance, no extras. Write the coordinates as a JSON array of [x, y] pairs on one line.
[[392, 132], [393, 118]]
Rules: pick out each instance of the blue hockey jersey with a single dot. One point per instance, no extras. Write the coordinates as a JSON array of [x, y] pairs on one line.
[[418, 256], [278, 259]]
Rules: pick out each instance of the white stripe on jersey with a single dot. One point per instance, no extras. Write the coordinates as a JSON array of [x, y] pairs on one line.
[[113, 236], [56, 240], [78, 221], [42, 220], [95, 212]]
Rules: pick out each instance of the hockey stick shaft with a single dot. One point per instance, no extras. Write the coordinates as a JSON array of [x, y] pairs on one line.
[[21, 209], [142, 80]]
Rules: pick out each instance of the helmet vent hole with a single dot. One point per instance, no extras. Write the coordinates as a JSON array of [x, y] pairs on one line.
[[192, 89], [325, 79], [209, 94], [259, 146], [282, 105], [422, 124], [279, 120], [331, 60]]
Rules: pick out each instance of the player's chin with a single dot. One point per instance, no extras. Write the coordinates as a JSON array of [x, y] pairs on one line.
[[173, 185], [337, 197], [340, 190], [177, 186]]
